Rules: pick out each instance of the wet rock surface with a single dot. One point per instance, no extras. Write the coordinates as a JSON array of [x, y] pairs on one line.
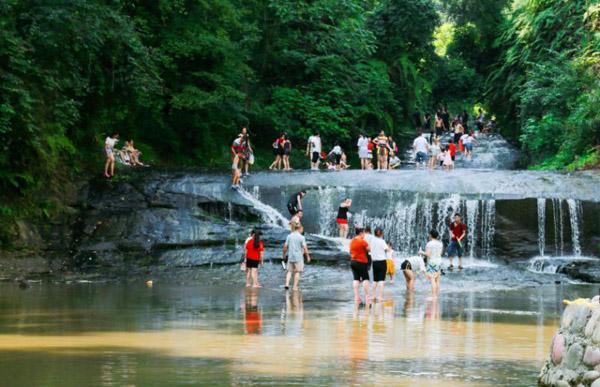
[[574, 353]]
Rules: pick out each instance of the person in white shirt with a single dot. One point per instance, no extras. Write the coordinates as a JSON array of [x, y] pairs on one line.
[[467, 140], [411, 267], [433, 253], [336, 155], [363, 151], [109, 150], [295, 249], [421, 148], [379, 249], [313, 150]]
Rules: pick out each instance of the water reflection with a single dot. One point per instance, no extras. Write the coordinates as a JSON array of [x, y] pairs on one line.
[[252, 314]]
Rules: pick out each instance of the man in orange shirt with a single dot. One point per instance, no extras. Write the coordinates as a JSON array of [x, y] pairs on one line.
[[359, 264]]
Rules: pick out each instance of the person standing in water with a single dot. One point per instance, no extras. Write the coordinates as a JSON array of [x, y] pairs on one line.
[[109, 149], [433, 253], [294, 205], [359, 263], [313, 150], [363, 152], [467, 140], [421, 148], [411, 267], [379, 249], [296, 249], [342, 217], [383, 149], [458, 232], [435, 152], [254, 257]]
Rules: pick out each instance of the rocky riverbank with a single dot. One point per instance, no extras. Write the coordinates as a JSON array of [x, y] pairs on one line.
[[575, 349]]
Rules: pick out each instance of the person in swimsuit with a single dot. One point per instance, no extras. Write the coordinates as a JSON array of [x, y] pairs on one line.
[[359, 263], [383, 149], [109, 150], [433, 254], [294, 205], [342, 217], [287, 150]]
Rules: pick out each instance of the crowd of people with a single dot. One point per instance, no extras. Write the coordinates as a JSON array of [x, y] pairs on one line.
[[370, 255], [440, 139], [128, 155]]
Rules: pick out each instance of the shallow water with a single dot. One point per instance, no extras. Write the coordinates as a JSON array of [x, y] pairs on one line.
[[204, 328]]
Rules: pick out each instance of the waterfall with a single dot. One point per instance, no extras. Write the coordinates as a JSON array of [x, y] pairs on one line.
[[541, 212], [559, 246], [488, 228], [329, 200], [472, 218], [256, 192], [574, 215], [269, 214], [407, 224]]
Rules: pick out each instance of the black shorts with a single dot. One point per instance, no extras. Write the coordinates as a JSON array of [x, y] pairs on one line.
[[292, 209], [379, 270], [280, 151], [338, 158], [315, 157], [275, 151], [453, 157], [360, 271], [252, 263], [405, 266]]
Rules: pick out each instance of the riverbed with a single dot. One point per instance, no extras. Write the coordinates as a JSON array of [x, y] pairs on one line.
[[203, 327]]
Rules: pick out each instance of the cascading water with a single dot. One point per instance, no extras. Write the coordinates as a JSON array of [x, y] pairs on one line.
[[574, 212], [541, 210], [574, 207], [406, 226], [269, 214]]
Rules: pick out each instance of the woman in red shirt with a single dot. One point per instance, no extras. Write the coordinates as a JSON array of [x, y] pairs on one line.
[[254, 256], [359, 263]]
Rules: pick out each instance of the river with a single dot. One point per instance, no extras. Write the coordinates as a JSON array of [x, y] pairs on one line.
[[197, 324]]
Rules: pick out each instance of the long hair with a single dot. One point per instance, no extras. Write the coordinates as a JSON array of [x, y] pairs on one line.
[[256, 239]]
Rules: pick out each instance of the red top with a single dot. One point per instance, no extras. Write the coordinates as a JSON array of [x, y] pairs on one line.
[[358, 250], [452, 149], [457, 230], [370, 146], [251, 252]]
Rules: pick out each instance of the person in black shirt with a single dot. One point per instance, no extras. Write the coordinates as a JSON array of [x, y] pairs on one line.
[[342, 217], [295, 203]]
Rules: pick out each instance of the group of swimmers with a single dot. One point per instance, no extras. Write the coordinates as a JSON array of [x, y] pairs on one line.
[[367, 253], [128, 155]]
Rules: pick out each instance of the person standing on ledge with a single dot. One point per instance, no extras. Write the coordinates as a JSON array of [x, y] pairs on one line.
[[359, 263], [295, 203], [342, 217], [458, 231], [296, 249], [313, 150], [109, 149]]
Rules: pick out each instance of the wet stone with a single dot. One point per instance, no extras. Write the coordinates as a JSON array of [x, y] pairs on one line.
[[558, 349], [591, 376], [573, 356], [580, 319], [596, 334], [591, 356], [592, 322], [562, 383], [596, 383]]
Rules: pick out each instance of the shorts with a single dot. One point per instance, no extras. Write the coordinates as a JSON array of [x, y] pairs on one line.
[[280, 151], [275, 151], [421, 157], [454, 249], [432, 268], [252, 263], [391, 267], [295, 267], [360, 271], [292, 209], [469, 147], [453, 157], [109, 152], [379, 270], [315, 157], [341, 221]]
